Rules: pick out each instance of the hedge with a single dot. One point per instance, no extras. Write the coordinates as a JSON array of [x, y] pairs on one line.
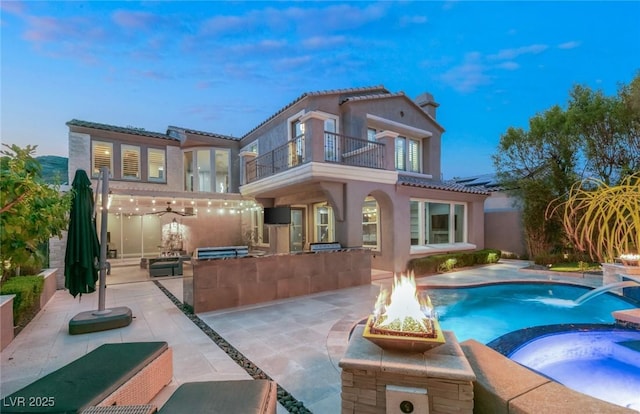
[[27, 290], [445, 262]]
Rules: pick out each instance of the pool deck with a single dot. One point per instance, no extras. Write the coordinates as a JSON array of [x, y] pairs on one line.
[[297, 342]]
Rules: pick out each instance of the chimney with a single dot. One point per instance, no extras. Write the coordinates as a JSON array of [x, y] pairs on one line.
[[426, 102]]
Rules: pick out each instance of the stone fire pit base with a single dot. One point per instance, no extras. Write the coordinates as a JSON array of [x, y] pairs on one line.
[[373, 377]]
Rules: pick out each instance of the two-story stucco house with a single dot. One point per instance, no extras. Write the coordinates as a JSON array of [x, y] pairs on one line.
[[360, 167]]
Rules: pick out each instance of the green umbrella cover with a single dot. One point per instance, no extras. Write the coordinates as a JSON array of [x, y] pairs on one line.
[[83, 248]]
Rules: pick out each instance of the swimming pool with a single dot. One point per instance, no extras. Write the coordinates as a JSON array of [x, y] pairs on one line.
[[487, 312], [535, 323]]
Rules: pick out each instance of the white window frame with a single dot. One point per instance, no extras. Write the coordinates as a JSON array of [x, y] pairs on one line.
[[95, 172], [124, 150], [163, 168], [376, 222], [330, 226], [406, 159], [214, 187], [452, 230]]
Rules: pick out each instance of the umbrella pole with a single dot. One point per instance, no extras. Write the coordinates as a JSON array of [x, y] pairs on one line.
[[104, 174]]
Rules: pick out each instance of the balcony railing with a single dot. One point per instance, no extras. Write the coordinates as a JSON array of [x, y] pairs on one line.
[[338, 149], [280, 159], [342, 149]]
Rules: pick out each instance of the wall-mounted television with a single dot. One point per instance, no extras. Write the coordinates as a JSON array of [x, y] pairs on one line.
[[277, 215]]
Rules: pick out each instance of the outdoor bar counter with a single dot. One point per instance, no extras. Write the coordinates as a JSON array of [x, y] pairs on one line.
[[230, 282]]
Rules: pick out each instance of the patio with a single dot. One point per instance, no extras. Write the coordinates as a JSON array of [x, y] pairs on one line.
[[297, 342]]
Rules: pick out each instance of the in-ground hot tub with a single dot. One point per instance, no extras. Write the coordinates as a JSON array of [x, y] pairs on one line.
[[601, 363]]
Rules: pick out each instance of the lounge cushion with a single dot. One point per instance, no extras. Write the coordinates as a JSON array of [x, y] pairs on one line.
[[84, 382], [223, 397]]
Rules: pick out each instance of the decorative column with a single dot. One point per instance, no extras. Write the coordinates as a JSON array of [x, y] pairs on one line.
[[388, 138], [245, 157]]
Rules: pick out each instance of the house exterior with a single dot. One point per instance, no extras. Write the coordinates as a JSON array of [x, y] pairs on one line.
[[358, 166]]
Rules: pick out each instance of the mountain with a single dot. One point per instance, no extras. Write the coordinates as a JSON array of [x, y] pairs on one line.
[[54, 169]]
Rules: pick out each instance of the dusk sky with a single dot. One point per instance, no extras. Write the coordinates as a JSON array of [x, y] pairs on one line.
[[225, 67]]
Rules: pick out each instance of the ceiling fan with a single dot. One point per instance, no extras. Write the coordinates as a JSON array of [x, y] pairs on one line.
[[168, 209]]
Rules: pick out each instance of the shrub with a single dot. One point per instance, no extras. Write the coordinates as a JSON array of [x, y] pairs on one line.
[[27, 290], [447, 262]]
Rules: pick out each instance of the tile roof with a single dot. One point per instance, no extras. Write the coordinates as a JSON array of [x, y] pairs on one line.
[[367, 89], [372, 96], [413, 181], [114, 128], [203, 133]]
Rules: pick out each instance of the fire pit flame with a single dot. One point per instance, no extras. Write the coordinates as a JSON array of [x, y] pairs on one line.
[[404, 319], [404, 303]]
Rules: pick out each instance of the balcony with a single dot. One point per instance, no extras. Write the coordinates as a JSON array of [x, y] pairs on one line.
[[336, 149]]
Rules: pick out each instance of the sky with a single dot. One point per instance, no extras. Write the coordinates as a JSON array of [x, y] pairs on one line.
[[224, 67]]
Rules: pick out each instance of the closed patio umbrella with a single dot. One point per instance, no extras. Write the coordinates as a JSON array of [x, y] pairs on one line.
[[83, 249]]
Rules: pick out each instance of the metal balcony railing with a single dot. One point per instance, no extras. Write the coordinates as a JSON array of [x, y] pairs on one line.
[[358, 152], [338, 149], [278, 160]]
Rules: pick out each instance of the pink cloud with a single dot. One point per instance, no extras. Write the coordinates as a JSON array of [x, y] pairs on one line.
[[12, 7], [134, 19]]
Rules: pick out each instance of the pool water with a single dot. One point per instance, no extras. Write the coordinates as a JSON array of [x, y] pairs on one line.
[[603, 364], [487, 312]]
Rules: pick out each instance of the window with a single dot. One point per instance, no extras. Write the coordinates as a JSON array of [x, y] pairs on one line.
[[212, 166], [156, 163], [407, 154], [102, 156], [188, 171], [331, 141], [371, 134], [437, 222], [400, 153], [204, 170], [370, 228], [324, 223], [222, 171], [130, 156], [296, 145]]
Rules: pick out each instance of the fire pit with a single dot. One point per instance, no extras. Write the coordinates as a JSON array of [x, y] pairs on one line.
[[404, 320]]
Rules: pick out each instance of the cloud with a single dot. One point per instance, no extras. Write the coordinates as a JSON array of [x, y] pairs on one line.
[[136, 20], [468, 76], [12, 7], [412, 19], [509, 65], [449, 4], [153, 74], [569, 45], [293, 62], [508, 54], [318, 42]]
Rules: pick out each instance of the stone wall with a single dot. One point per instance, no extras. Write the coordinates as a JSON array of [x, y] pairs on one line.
[[225, 283], [372, 377]]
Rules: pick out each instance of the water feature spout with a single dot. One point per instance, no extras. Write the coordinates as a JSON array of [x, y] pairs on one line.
[[602, 289]]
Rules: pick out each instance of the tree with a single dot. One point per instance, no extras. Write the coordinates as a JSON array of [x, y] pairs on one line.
[[31, 211], [596, 136], [607, 128], [538, 166]]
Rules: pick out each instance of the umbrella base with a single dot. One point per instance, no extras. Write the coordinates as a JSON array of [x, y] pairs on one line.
[[95, 321]]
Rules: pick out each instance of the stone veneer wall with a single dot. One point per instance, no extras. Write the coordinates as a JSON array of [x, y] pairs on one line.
[[57, 249], [443, 372], [225, 283]]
